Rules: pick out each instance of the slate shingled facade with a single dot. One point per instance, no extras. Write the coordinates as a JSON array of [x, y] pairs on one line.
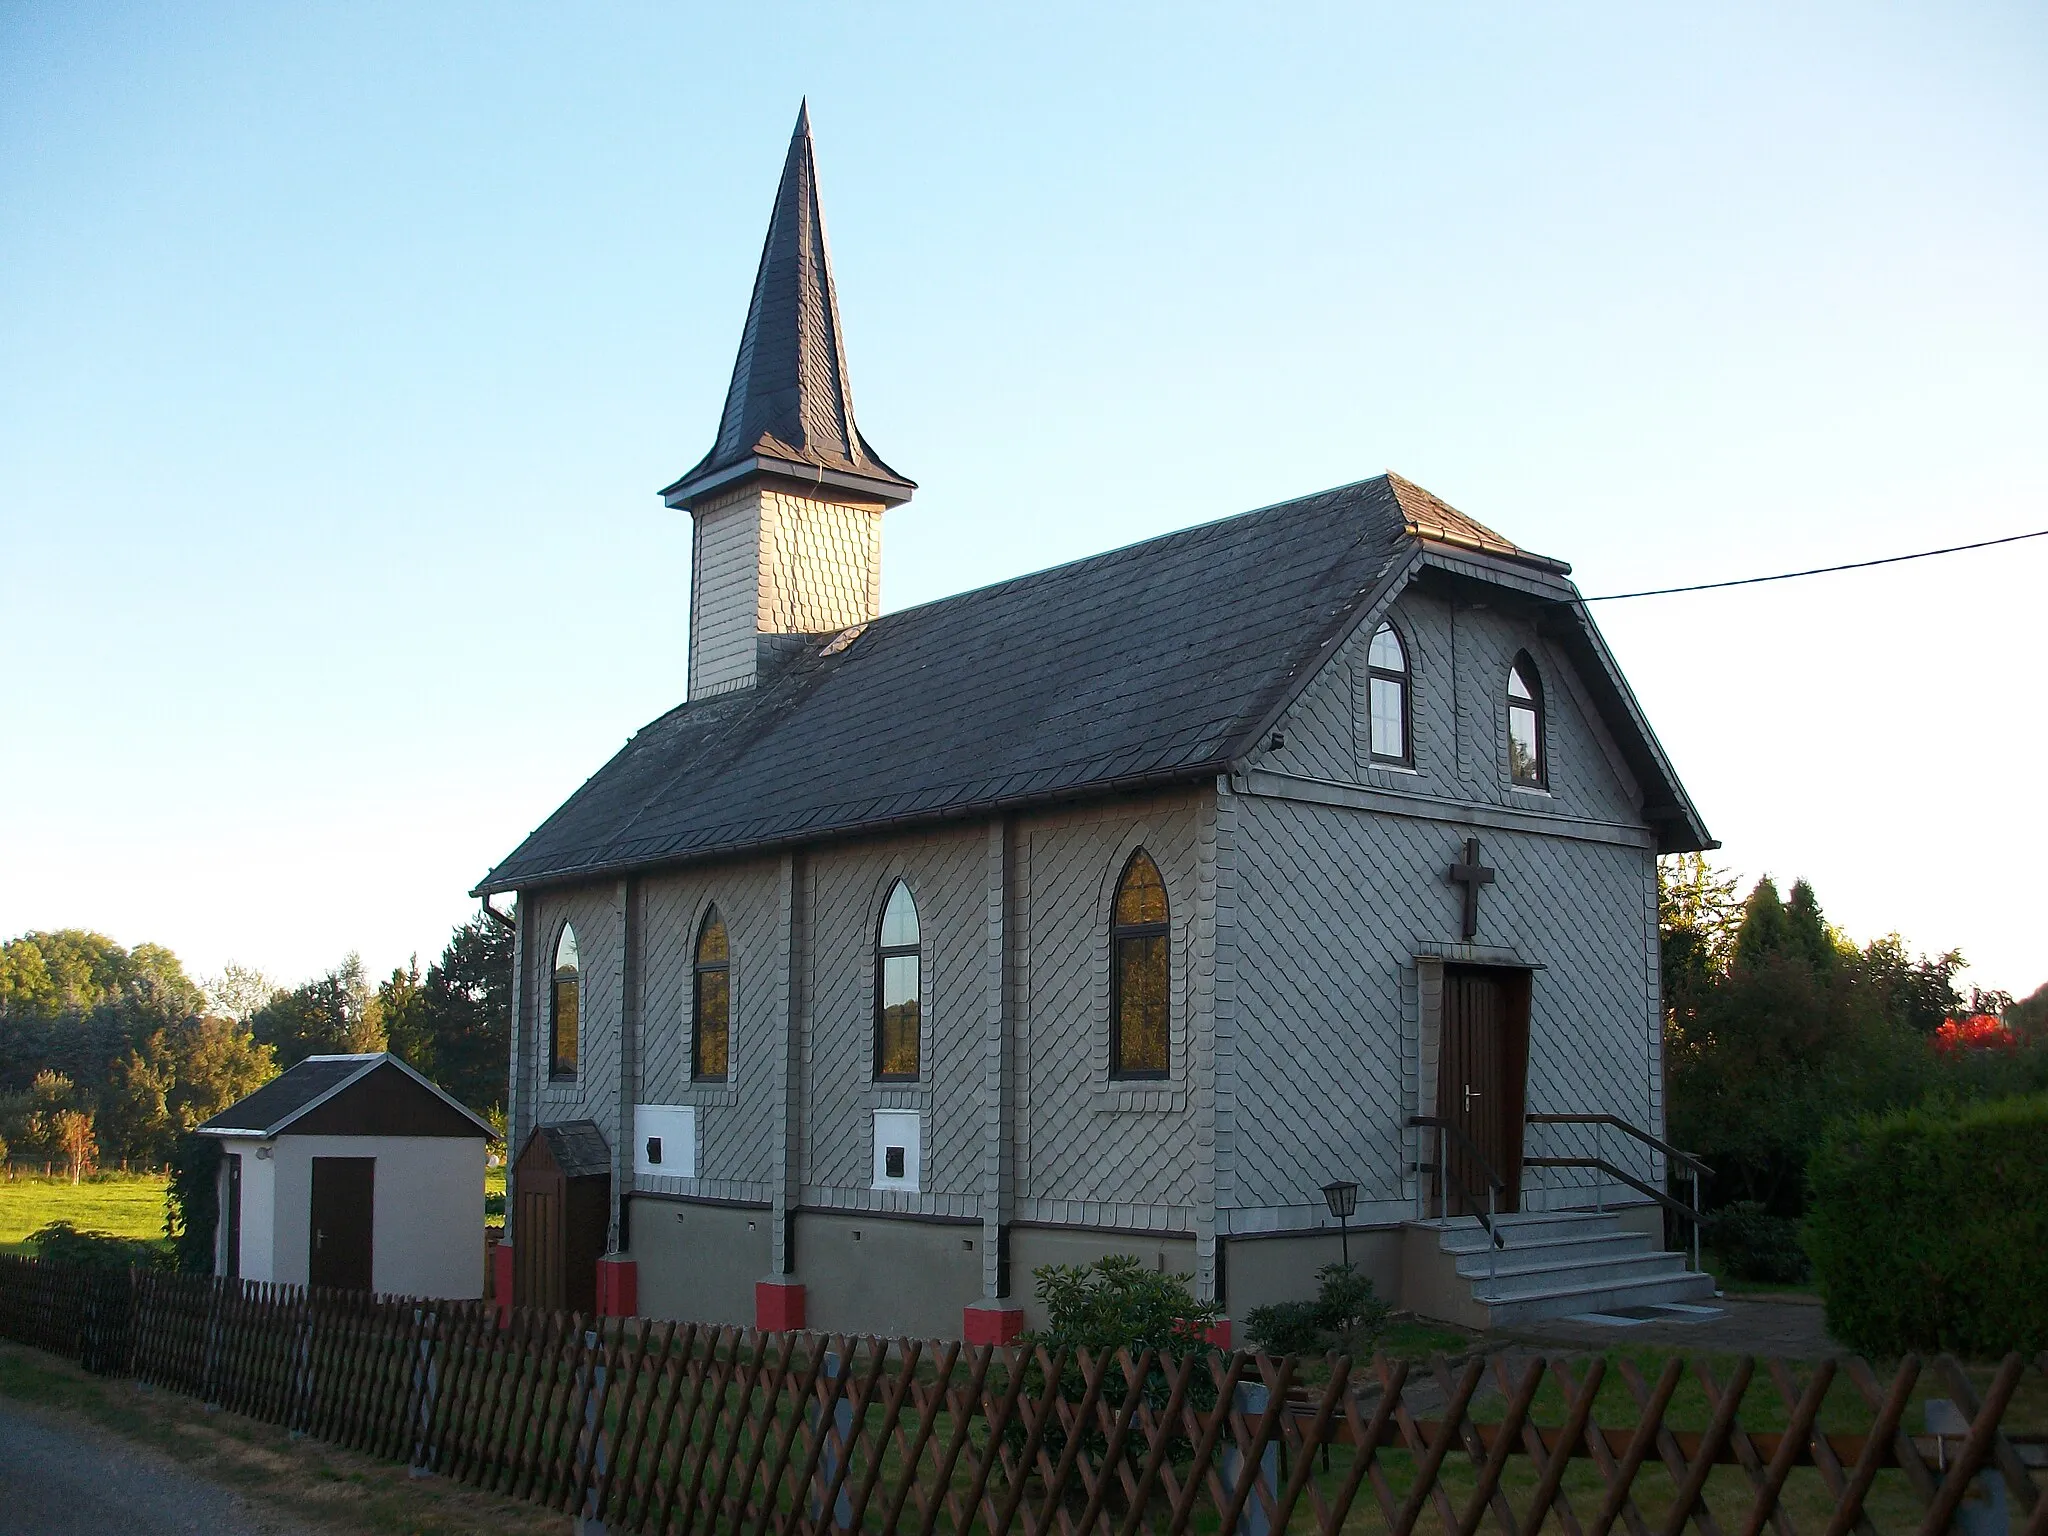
[[1202, 696]]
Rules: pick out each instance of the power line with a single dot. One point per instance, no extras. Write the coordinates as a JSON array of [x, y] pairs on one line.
[[1818, 570]]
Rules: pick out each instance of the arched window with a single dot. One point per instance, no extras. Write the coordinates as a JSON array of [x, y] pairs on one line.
[[711, 1002], [1139, 973], [897, 988], [1387, 686], [1525, 724], [565, 1007]]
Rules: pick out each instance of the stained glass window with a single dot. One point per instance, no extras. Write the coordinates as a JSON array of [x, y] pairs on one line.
[[898, 1019], [711, 1002], [1140, 975]]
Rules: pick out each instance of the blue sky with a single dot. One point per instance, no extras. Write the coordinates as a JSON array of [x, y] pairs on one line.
[[346, 347]]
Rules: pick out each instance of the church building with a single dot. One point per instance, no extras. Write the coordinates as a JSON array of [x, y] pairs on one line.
[[1117, 908]]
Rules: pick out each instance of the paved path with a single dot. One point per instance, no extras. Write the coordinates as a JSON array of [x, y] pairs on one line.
[[60, 1476], [1792, 1329]]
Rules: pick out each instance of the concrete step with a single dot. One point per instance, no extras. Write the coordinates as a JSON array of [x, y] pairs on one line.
[[1685, 1286], [1522, 1250], [1462, 1234], [1514, 1282]]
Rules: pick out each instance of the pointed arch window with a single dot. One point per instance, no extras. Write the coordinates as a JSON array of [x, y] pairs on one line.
[[565, 1007], [1525, 725], [1140, 973], [898, 988], [1387, 698], [711, 1003]]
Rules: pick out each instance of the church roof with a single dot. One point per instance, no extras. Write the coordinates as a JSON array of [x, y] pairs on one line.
[[1163, 661], [789, 409]]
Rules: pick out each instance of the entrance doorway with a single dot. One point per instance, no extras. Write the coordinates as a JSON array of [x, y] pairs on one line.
[[1481, 1083], [344, 1212]]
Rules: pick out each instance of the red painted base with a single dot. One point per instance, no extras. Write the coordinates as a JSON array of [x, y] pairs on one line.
[[983, 1323], [1218, 1334], [501, 1282], [618, 1287], [778, 1305]]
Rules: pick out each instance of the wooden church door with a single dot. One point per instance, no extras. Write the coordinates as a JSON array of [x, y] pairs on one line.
[[1482, 1080]]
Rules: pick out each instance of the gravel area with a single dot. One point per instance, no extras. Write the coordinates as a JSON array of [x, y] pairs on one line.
[[1793, 1330], [60, 1476]]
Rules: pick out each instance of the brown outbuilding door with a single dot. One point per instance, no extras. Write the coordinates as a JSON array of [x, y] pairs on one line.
[[1481, 1079], [344, 1208], [559, 1219]]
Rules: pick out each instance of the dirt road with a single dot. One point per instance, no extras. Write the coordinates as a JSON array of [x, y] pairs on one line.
[[60, 1476]]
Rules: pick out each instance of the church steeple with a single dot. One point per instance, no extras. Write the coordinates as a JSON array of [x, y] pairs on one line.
[[789, 410], [788, 503]]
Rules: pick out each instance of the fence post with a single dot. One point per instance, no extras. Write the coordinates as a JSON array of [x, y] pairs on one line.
[[838, 1442], [587, 1475], [426, 1382], [1249, 1403]]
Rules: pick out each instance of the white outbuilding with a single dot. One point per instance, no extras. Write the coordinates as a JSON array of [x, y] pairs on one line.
[[353, 1172]]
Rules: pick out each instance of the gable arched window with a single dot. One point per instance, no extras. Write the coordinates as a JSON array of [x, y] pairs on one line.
[[565, 1006], [1387, 698], [898, 1019], [1140, 973], [711, 1002], [1525, 724]]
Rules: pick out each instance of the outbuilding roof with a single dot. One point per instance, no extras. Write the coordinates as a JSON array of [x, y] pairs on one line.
[[1163, 661], [287, 1100]]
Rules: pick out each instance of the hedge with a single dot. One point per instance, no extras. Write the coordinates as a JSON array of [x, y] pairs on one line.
[[1928, 1229]]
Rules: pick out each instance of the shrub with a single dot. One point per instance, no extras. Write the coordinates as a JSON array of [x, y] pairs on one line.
[[192, 1203], [62, 1243], [1756, 1245], [1346, 1315], [1117, 1303], [1928, 1228]]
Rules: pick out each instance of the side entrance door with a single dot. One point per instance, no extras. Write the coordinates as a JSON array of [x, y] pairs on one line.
[[1481, 1082], [344, 1210]]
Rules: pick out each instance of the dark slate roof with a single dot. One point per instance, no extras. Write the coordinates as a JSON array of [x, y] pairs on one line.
[[578, 1148], [289, 1096], [789, 409], [1158, 662]]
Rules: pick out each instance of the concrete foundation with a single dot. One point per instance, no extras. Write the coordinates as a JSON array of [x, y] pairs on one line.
[[878, 1274], [698, 1262]]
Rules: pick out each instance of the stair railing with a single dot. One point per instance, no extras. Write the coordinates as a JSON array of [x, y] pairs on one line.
[[1693, 1169], [1495, 1186]]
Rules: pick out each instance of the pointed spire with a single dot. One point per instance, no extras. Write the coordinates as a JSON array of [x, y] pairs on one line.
[[789, 410]]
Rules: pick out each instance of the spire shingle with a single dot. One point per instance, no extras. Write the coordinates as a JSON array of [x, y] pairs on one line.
[[789, 410]]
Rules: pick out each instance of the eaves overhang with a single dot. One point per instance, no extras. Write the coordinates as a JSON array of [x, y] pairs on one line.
[[811, 836], [700, 486]]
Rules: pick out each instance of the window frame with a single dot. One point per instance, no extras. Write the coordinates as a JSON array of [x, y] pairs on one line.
[[883, 954], [557, 1072], [1405, 681], [1524, 667], [1119, 933], [699, 969]]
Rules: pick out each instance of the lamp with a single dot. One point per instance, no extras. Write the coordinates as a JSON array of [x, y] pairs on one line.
[[1343, 1200]]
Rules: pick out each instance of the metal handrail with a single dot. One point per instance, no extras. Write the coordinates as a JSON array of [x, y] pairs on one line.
[[1495, 1184], [1633, 1130], [1695, 1170]]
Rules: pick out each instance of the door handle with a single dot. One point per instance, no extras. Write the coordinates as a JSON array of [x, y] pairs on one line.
[[1470, 1095]]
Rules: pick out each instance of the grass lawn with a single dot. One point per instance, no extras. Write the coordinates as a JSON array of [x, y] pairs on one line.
[[125, 1204]]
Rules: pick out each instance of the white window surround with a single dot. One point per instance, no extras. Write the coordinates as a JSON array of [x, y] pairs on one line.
[[667, 1132], [898, 1151]]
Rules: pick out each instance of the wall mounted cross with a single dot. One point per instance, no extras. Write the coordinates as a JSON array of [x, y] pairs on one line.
[[1471, 874]]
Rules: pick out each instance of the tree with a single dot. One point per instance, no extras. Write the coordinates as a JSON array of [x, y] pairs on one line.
[[240, 992], [1697, 914], [467, 1000], [72, 1136], [408, 1029], [334, 1014]]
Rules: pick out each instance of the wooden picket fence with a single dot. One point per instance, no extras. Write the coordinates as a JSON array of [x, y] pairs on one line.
[[679, 1428]]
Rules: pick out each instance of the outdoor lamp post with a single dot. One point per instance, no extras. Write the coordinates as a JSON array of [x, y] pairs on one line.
[[1343, 1200]]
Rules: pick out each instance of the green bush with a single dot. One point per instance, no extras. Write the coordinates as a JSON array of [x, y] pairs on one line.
[[62, 1243], [1928, 1228], [1347, 1315], [1756, 1245], [1117, 1303], [192, 1202]]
